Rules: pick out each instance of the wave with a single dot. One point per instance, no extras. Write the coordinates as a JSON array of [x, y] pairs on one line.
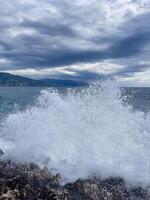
[[84, 132]]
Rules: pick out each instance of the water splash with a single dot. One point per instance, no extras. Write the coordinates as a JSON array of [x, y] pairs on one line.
[[91, 131]]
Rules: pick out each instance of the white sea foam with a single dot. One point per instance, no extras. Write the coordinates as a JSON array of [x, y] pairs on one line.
[[82, 133]]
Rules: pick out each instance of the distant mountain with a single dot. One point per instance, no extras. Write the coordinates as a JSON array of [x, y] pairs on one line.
[[7, 79]]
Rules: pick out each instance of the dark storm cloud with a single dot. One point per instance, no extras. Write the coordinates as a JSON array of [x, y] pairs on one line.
[[128, 71], [129, 46], [55, 34], [49, 29], [5, 46], [33, 51]]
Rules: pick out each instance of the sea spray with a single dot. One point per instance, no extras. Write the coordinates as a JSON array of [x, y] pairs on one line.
[[82, 132]]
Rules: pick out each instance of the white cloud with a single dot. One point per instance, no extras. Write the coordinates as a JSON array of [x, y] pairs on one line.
[[103, 68]]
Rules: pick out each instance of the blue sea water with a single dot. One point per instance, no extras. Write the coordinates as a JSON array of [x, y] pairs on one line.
[[19, 98], [12, 98]]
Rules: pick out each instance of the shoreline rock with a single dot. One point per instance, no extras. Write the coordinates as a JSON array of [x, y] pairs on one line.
[[30, 182]]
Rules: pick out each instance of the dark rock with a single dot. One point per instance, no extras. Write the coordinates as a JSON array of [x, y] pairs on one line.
[[33, 166], [140, 193], [30, 182], [97, 189]]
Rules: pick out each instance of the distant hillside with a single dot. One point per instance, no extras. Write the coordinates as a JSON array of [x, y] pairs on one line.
[[7, 79]]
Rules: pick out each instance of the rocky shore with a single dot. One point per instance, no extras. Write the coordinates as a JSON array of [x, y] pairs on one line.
[[30, 182]]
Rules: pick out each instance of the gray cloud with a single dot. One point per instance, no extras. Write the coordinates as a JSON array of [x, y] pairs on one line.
[[33, 51], [45, 28], [128, 71], [53, 34]]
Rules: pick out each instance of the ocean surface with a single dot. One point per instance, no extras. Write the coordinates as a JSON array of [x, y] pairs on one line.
[[102, 130], [19, 98]]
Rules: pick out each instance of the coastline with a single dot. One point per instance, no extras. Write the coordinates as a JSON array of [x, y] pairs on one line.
[[29, 181]]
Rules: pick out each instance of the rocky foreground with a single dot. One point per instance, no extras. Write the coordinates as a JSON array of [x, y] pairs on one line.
[[30, 182]]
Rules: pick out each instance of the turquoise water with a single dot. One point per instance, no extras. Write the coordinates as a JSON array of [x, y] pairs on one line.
[[19, 98]]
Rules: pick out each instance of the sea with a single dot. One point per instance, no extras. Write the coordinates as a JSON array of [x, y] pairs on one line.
[[101, 130]]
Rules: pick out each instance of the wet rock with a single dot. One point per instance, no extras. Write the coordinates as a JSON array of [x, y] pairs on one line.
[[97, 189], [30, 182], [57, 195], [33, 166], [10, 195], [140, 193], [45, 173]]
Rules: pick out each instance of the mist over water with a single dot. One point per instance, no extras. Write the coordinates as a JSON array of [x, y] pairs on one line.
[[89, 131]]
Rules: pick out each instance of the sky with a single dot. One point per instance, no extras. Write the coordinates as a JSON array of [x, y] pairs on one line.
[[81, 39]]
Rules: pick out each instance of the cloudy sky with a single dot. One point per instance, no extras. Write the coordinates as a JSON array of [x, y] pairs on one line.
[[81, 39]]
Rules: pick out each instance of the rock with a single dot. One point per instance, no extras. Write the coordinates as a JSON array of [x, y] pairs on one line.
[[10, 195], [140, 193], [30, 182], [97, 189], [33, 166], [45, 173], [57, 195]]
